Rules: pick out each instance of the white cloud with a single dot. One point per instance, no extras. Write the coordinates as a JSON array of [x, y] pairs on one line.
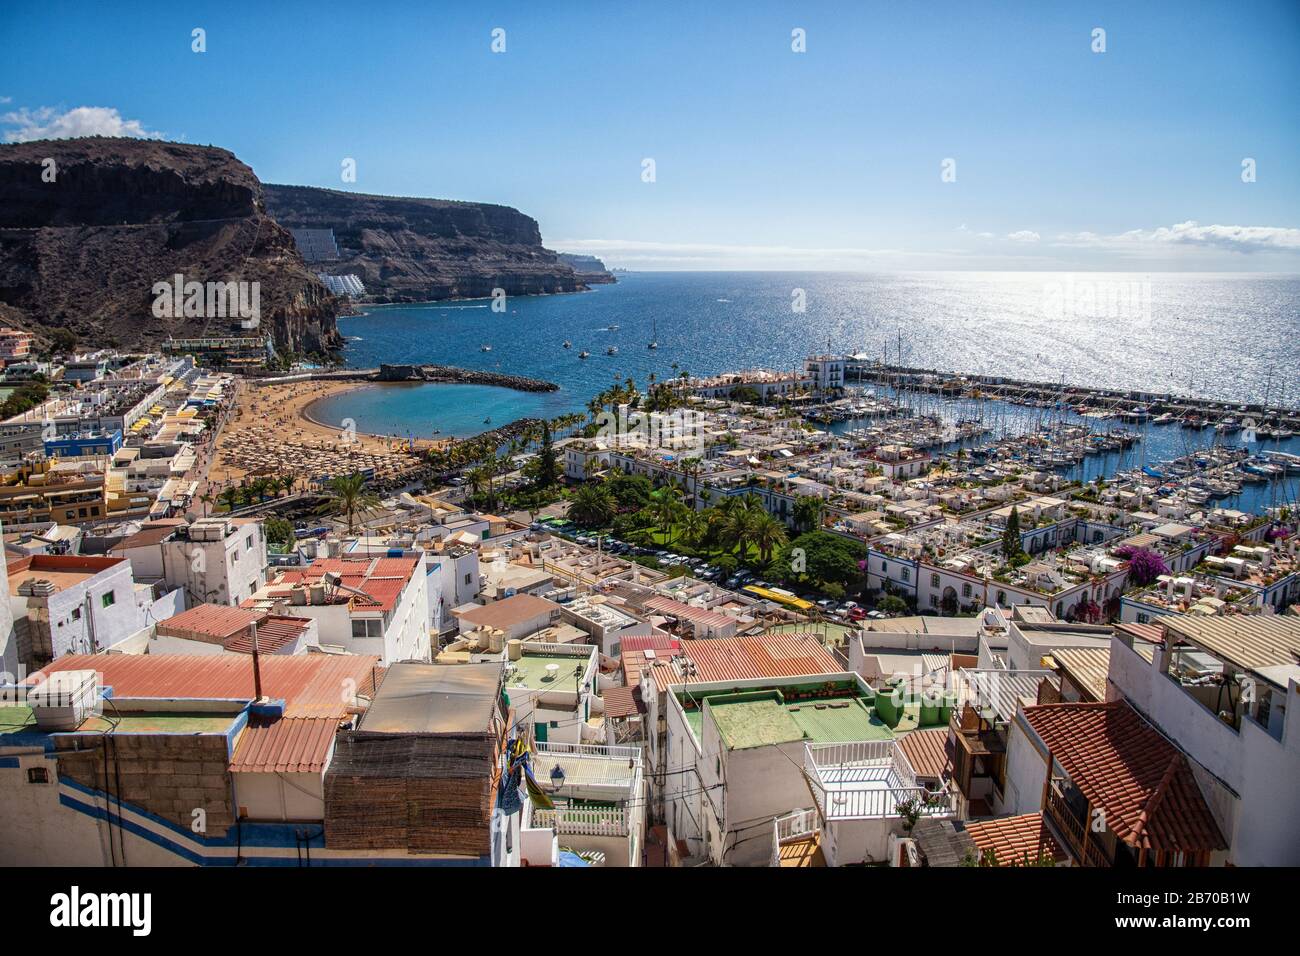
[[47, 122], [1244, 239], [1024, 235]]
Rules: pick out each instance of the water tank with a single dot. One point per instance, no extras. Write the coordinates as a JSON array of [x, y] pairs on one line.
[[514, 649]]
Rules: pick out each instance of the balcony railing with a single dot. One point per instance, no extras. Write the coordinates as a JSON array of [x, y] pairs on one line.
[[867, 779], [592, 821], [798, 825], [1082, 845]]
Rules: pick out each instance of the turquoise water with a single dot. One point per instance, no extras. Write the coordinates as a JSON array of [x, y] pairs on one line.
[[435, 410]]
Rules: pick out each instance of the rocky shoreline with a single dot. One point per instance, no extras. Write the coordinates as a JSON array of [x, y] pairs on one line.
[[461, 376]]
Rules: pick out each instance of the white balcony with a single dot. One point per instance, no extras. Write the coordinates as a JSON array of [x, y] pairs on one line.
[[867, 780], [587, 772]]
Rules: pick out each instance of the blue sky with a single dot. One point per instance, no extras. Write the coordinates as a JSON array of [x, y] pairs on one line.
[[764, 158]]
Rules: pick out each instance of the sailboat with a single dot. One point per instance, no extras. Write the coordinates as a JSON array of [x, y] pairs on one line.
[[654, 334]]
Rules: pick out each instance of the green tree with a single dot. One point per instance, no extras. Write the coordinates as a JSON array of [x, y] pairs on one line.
[[280, 531], [548, 467], [1011, 535], [768, 534], [348, 493], [592, 506], [808, 512]]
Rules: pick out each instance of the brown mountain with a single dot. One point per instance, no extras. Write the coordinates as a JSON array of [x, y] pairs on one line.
[[84, 250], [418, 250]]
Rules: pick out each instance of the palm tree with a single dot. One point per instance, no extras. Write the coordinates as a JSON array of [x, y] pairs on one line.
[[348, 493], [229, 498], [207, 498], [592, 506], [768, 534], [694, 526]]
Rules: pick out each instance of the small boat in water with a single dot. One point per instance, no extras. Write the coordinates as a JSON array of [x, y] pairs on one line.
[[612, 350], [485, 348], [583, 354], [568, 344]]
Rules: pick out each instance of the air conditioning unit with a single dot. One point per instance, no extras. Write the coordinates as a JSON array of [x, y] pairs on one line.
[[64, 700]]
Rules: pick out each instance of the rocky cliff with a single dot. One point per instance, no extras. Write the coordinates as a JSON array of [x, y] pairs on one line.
[[89, 226], [589, 269], [417, 250]]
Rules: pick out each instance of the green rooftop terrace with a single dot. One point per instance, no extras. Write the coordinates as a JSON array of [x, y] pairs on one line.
[[530, 671], [763, 717], [18, 718]]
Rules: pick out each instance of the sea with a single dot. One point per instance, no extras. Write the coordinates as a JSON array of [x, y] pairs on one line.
[[1234, 337]]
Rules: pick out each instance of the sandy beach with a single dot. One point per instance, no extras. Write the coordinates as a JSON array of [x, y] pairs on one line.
[[271, 432]]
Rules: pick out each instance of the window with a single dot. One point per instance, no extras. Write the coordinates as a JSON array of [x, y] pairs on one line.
[[1144, 619], [965, 590], [1002, 597], [934, 580], [934, 600], [108, 600], [907, 575], [76, 614], [38, 775], [248, 543], [367, 627]]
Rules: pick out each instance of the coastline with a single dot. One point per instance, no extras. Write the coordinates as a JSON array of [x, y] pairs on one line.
[[273, 424]]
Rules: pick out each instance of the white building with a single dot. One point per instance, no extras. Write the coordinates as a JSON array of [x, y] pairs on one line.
[[70, 604], [214, 560], [1226, 690], [363, 605]]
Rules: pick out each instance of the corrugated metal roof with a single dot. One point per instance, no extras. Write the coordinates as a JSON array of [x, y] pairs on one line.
[[623, 702], [273, 633], [1087, 666], [763, 655], [217, 621], [688, 612], [287, 745], [927, 751], [1250, 641], [311, 685]]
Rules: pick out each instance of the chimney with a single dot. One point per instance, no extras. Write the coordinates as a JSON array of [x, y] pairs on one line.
[[257, 664]]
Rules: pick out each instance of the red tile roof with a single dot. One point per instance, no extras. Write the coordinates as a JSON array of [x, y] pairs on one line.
[[311, 685], [286, 745], [928, 752], [764, 655], [1014, 840], [1127, 768], [383, 579]]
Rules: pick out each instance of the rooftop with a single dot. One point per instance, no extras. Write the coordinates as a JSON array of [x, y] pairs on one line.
[[1129, 770], [312, 685], [761, 717]]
